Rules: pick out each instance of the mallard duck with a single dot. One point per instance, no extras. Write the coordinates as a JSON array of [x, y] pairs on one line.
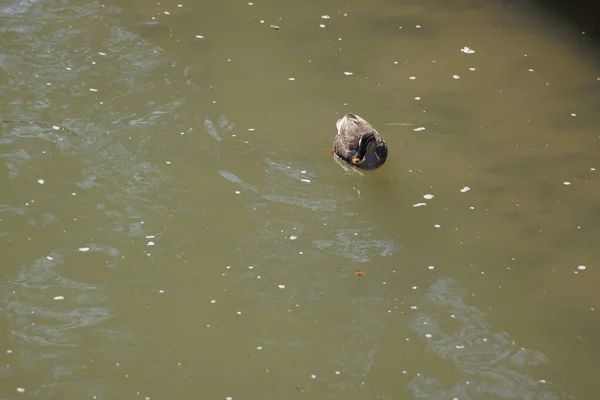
[[358, 143]]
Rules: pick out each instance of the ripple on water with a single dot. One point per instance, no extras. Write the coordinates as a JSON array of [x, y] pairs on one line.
[[490, 359]]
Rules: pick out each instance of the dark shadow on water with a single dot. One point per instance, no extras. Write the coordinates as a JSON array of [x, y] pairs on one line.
[[580, 14]]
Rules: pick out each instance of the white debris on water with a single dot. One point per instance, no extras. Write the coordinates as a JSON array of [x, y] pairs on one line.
[[428, 196], [412, 78], [467, 50], [293, 237], [325, 16], [465, 189], [348, 73], [40, 181], [456, 76], [305, 180], [419, 204], [582, 267], [281, 286], [93, 90], [291, 79], [150, 243], [419, 129], [566, 183], [322, 26], [59, 297], [199, 37], [84, 249]]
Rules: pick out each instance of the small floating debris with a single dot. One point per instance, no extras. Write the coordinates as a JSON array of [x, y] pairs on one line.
[[412, 78], [40, 181], [166, 13], [465, 189], [293, 237], [418, 26], [566, 183], [291, 79], [573, 115], [419, 204], [150, 243], [467, 50], [275, 27], [84, 249], [348, 73], [530, 70], [582, 267], [358, 272], [322, 26], [456, 76], [419, 129], [428, 196], [325, 16], [59, 297], [199, 37], [93, 90], [281, 286]]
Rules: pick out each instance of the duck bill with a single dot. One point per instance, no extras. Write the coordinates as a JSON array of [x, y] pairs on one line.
[[362, 151]]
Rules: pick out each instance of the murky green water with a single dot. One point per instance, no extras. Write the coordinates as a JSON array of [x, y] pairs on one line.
[[199, 243]]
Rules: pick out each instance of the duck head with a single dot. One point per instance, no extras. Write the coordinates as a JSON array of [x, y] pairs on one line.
[[367, 147]]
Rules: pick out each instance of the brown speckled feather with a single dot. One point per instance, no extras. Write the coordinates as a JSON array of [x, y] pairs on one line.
[[346, 143]]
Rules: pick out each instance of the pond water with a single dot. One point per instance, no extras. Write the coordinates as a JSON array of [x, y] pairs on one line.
[[196, 241]]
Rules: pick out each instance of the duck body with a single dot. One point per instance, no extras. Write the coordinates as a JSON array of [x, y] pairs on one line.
[[359, 144]]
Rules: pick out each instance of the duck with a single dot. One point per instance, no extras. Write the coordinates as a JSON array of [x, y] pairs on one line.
[[358, 143]]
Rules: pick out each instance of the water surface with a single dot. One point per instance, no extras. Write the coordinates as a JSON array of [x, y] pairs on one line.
[[198, 242]]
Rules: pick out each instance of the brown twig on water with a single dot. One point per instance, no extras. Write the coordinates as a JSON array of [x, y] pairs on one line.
[[55, 127]]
